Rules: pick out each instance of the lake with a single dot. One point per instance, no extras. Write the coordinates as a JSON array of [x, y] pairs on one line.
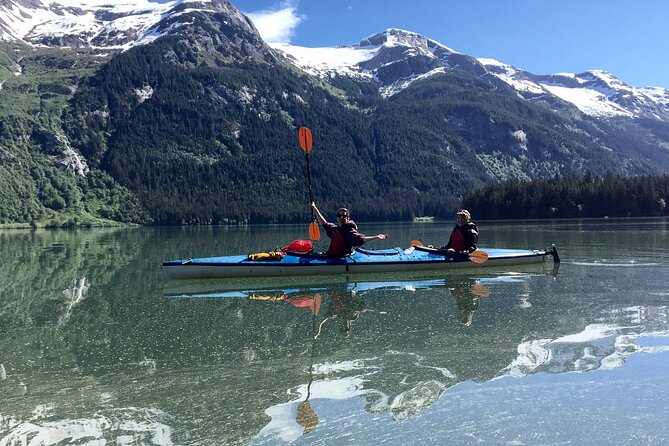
[[97, 346]]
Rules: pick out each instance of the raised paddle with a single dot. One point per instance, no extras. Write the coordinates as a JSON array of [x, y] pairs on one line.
[[306, 144], [477, 256], [306, 417]]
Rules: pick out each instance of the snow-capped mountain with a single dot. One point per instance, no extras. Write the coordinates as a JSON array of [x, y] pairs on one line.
[[97, 23], [595, 92], [81, 23], [396, 58], [198, 101]]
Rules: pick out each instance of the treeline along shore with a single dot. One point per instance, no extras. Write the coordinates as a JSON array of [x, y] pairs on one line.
[[588, 196], [571, 197]]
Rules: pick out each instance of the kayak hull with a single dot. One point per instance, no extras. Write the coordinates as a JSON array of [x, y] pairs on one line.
[[361, 261]]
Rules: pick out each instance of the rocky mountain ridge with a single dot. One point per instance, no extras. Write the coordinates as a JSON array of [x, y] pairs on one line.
[[395, 58], [100, 23], [198, 125]]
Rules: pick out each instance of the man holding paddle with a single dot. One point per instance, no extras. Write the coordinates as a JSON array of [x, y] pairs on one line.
[[344, 235]]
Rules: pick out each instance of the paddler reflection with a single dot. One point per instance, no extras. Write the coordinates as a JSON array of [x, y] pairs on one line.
[[345, 307], [468, 297], [306, 417]]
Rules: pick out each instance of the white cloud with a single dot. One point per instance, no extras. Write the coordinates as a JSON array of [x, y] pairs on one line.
[[277, 25]]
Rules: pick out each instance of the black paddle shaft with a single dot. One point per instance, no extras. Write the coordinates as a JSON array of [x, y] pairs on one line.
[[311, 197]]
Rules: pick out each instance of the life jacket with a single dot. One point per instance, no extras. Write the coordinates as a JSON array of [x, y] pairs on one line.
[[274, 255], [338, 246], [343, 238], [457, 241]]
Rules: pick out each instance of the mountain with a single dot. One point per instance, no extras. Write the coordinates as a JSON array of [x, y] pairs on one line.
[[595, 93], [179, 113], [85, 23], [396, 58]]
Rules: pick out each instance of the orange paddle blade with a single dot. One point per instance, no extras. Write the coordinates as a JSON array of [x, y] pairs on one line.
[[316, 304], [314, 232], [478, 256], [480, 290], [416, 243], [306, 417], [306, 142]]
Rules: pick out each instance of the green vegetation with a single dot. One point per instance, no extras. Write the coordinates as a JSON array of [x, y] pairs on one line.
[[36, 189], [39, 196], [180, 132], [568, 197]]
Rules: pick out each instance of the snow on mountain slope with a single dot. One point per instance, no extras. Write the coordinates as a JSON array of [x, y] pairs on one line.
[[326, 61], [94, 23], [595, 92], [518, 79], [394, 58]]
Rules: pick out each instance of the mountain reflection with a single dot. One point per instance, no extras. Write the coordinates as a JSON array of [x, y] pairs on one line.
[[91, 328], [406, 383]]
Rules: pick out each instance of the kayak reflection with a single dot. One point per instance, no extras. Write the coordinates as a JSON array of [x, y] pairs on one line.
[[346, 302]]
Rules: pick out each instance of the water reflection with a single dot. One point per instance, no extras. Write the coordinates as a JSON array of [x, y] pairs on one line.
[[127, 425], [468, 298], [409, 383], [306, 417], [345, 307], [91, 343]]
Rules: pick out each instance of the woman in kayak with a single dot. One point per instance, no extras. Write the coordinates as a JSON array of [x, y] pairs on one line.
[[344, 235], [465, 235]]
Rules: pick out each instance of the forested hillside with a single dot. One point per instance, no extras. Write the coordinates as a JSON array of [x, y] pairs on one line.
[[564, 197], [38, 182], [200, 127]]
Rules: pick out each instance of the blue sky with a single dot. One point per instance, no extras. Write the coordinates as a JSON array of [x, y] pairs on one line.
[[628, 38]]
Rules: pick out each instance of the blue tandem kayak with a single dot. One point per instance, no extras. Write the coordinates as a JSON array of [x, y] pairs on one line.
[[361, 261]]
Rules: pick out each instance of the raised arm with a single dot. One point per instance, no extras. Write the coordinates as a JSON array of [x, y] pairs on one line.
[[318, 213]]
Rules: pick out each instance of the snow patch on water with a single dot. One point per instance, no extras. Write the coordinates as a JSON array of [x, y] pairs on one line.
[[125, 426], [334, 367], [598, 346], [630, 263]]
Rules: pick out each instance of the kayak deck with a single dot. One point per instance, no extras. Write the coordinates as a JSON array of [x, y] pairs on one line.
[[361, 261]]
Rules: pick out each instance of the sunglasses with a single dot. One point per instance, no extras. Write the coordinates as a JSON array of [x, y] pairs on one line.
[[342, 215]]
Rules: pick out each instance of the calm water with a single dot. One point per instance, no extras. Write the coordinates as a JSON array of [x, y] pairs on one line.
[[98, 347]]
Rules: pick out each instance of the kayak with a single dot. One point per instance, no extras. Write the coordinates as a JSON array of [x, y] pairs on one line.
[[279, 293], [415, 258]]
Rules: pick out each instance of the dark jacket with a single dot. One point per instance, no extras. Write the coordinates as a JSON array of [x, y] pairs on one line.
[[464, 238], [343, 238]]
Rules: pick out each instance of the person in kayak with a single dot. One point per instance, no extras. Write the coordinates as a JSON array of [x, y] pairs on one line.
[[464, 236], [344, 235]]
